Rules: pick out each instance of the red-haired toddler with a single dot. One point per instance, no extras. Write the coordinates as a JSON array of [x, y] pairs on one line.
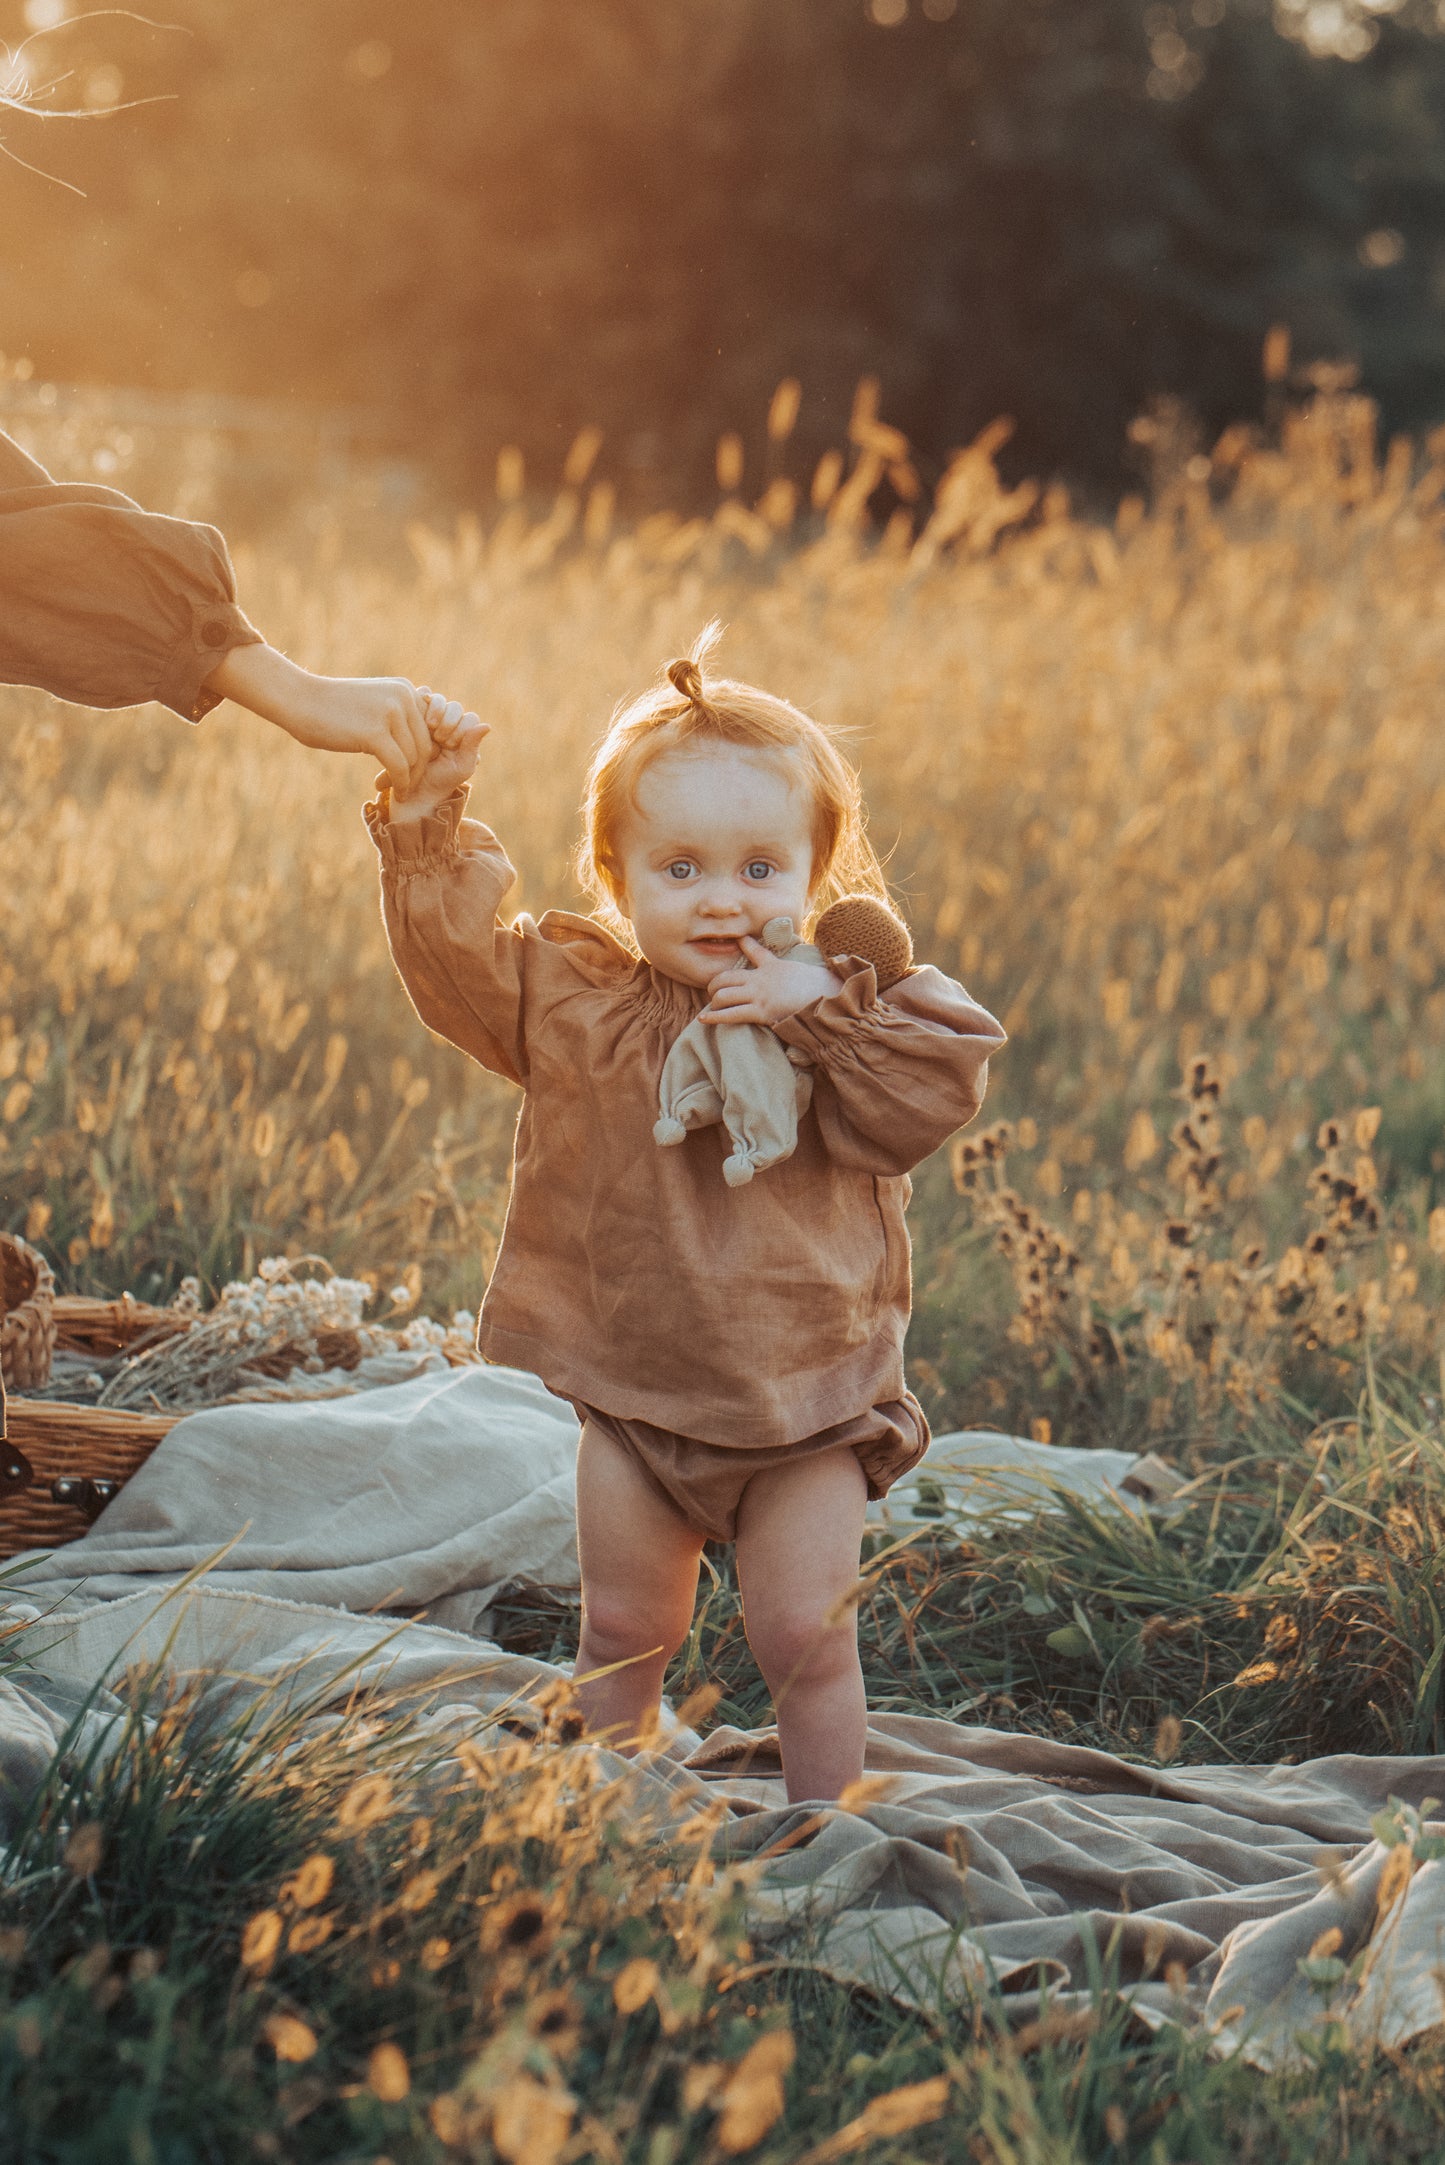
[[735, 1354]]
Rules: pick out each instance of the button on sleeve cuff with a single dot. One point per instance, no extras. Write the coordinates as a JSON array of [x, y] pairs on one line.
[[217, 629]]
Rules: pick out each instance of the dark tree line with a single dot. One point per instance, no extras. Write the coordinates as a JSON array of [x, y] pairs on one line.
[[496, 222]]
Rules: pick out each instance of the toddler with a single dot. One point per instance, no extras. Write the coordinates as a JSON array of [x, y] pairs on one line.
[[734, 1354]]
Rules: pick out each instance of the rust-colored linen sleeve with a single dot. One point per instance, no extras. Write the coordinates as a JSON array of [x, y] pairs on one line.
[[108, 605], [442, 883], [896, 1075]]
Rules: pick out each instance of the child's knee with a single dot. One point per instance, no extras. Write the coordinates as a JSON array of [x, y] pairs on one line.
[[619, 1630], [803, 1646]]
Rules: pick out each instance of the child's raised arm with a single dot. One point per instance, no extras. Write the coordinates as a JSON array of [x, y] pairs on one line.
[[443, 880], [484, 985]]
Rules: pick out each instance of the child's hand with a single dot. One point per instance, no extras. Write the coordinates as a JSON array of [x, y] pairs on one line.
[[773, 988], [456, 737]]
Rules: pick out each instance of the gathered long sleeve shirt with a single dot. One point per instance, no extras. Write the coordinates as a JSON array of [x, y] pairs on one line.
[[105, 604], [632, 1278]]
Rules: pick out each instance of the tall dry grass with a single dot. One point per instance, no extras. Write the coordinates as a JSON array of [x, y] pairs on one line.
[[1159, 790], [1167, 793]]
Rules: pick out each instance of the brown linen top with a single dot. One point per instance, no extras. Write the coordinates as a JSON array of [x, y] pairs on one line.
[[633, 1278], [105, 604]]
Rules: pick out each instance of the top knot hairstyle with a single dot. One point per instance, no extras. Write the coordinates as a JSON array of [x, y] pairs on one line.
[[686, 678], [690, 706]]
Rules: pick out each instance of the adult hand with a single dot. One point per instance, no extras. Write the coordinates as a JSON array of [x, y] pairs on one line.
[[455, 738], [383, 717], [769, 990]]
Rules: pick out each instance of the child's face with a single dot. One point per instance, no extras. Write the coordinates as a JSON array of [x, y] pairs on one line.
[[719, 841]]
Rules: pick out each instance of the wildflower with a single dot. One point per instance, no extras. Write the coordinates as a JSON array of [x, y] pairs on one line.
[[366, 1803], [555, 2020], [307, 1934], [289, 2038], [752, 2098], [387, 2074], [634, 1985], [419, 1890], [449, 2119], [260, 1940], [701, 2083], [531, 2122], [312, 1883], [519, 1923]]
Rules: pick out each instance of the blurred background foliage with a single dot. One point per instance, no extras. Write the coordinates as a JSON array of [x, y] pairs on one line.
[[491, 226]]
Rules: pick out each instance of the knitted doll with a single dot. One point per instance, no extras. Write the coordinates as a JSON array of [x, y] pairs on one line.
[[745, 1078]]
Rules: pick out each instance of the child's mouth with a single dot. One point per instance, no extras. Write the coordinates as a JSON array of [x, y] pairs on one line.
[[716, 944]]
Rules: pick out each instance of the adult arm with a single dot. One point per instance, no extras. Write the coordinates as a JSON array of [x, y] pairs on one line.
[[105, 604], [381, 716], [108, 605]]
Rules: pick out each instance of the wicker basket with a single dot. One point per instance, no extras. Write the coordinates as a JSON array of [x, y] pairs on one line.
[[62, 1464], [79, 1457], [27, 1315], [101, 1328]]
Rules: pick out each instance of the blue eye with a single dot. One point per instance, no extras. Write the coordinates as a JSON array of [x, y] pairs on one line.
[[759, 869], [680, 869]]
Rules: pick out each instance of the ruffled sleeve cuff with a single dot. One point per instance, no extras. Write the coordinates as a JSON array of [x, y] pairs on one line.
[[420, 845], [902, 1072], [835, 1028]]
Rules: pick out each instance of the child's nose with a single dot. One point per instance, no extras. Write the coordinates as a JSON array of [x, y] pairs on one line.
[[719, 902]]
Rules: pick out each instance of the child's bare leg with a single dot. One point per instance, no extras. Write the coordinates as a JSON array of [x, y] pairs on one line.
[[639, 1581], [800, 1530]]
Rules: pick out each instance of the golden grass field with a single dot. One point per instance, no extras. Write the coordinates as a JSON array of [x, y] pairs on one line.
[[1167, 792], [1158, 790]]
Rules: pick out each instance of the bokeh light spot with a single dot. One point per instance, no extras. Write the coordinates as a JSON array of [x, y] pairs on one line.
[[1382, 248], [104, 87]]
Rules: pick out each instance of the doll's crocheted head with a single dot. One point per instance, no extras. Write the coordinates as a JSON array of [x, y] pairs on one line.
[[861, 925]]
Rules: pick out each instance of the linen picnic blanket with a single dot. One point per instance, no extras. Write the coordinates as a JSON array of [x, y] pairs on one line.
[[983, 1862]]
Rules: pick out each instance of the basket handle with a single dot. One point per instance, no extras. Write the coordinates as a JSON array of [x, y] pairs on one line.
[[16, 1471]]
